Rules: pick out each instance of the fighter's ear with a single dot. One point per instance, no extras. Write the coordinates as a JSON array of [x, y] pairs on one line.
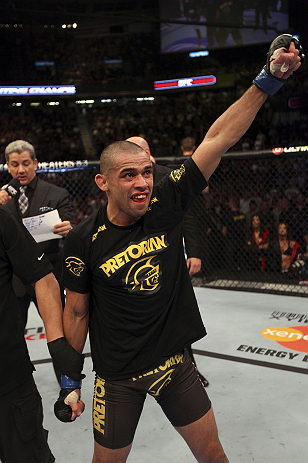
[[101, 182]]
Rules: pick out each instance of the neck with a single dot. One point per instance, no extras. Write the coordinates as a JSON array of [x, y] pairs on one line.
[[119, 219]]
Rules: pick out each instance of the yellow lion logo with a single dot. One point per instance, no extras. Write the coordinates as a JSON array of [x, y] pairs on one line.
[[75, 265]]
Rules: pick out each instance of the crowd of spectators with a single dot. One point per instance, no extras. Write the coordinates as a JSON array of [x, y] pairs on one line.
[[259, 192], [255, 226], [55, 131]]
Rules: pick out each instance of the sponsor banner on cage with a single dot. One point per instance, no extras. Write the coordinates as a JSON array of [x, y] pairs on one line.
[[291, 149], [55, 166]]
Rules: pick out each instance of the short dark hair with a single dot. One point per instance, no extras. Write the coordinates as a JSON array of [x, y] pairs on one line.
[[188, 143], [118, 147]]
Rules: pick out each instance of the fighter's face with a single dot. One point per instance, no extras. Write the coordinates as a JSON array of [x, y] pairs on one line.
[[128, 186]]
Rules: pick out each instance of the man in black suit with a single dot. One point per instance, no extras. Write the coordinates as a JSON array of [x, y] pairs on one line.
[[39, 197]]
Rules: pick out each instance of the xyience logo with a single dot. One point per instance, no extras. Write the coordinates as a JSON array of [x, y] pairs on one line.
[[292, 337]]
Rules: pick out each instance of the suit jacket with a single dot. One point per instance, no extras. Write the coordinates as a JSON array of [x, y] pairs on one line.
[[47, 197]]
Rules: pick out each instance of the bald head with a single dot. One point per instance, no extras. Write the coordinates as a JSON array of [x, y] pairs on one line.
[[140, 142], [143, 143], [109, 154]]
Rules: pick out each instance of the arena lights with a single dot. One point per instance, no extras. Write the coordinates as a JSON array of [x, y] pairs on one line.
[[184, 83], [84, 101], [44, 63], [109, 100], [146, 98], [69, 26], [197, 54], [53, 103], [37, 90]]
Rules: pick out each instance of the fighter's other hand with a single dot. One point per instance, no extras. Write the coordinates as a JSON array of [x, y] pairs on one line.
[[66, 358], [68, 407]]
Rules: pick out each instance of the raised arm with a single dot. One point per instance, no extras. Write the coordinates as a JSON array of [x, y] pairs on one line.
[[236, 120], [227, 130]]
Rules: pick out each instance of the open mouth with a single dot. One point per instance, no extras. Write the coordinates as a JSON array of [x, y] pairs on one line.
[[139, 198]]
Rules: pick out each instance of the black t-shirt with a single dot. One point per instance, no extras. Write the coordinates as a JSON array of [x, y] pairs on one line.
[[19, 253], [142, 304]]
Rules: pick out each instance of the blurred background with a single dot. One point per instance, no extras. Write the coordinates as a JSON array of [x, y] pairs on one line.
[[76, 76]]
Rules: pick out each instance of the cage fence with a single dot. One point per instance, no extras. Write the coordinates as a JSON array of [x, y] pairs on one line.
[[252, 220]]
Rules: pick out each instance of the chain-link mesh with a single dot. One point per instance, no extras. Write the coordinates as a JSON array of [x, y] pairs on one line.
[[253, 225], [261, 191]]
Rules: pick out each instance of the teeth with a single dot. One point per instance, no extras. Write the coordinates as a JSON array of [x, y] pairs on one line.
[[140, 196]]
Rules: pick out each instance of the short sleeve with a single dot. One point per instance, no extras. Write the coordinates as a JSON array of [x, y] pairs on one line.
[[76, 275]]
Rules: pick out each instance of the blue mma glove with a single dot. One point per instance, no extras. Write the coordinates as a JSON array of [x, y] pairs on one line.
[[266, 80], [62, 409]]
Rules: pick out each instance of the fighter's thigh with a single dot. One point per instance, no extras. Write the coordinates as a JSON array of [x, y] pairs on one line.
[[116, 412], [202, 438], [184, 400]]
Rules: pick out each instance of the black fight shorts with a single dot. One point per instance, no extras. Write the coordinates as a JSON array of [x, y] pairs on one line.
[[22, 436], [117, 405]]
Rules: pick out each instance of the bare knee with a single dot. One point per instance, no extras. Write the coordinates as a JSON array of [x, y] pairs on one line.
[[105, 455], [212, 454], [202, 438], [108, 459]]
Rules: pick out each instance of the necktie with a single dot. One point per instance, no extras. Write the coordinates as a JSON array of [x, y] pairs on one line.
[[23, 201]]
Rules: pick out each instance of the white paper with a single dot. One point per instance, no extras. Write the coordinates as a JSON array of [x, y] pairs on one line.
[[40, 226]]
